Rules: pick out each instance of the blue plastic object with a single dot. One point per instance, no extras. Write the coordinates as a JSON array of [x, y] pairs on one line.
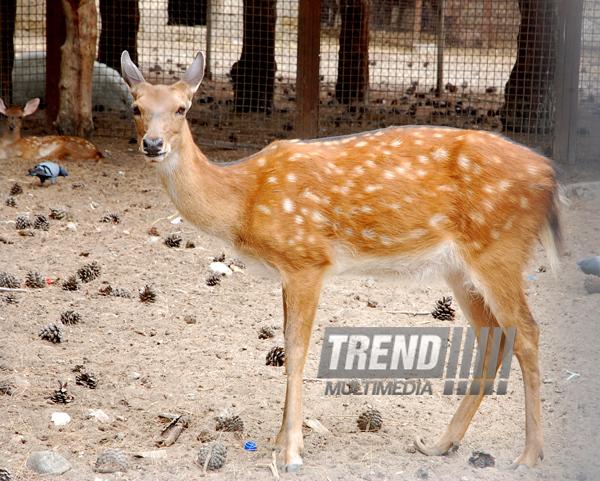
[[250, 446]]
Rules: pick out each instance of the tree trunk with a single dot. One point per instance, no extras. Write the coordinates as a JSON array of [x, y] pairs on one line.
[[120, 25], [77, 67], [529, 92], [353, 63], [253, 74], [8, 10], [187, 12]]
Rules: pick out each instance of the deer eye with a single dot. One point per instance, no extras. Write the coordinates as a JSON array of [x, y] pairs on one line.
[[135, 109], [181, 111]]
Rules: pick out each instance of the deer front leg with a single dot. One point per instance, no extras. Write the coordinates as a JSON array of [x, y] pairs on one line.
[[301, 292]]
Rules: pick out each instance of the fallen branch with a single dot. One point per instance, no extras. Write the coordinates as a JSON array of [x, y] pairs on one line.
[[410, 313], [9, 289], [272, 465]]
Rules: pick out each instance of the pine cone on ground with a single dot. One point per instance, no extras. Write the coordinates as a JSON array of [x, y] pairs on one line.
[[113, 217], [106, 291], [41, 222], [87, 378], [216, 454], [148, 294], [592, 284], [173, 240], [122, 292], [6, 475], [16, 189], [443, 310], [58, 213], [53, 332], [61, 396], [9, 280], [35, 280], [11, 298], [370, 420], [266, 332], [6, 388], [23, 222], [229, 423], [481, 459], [89, 272], [11, 202], [219, 257], [111, 461], [69, 316], [213, 280], [153, 231], [72, 283], [276, 357]]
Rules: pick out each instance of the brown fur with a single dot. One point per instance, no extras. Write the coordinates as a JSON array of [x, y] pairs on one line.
[[466, 205]]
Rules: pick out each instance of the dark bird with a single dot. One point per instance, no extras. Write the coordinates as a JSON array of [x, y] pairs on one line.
[[590, 266], [47, 171]]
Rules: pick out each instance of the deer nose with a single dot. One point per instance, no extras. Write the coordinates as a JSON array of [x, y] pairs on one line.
[[153, 147], [11, 127]]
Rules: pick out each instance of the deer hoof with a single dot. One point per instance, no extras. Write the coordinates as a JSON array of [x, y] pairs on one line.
[[433, 450], [291, 468]]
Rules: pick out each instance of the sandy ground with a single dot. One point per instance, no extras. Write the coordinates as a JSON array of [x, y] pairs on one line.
[[154, 358]]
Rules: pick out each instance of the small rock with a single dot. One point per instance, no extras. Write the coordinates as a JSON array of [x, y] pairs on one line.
[[136, 375], [71, 226], [97, 415], [48, 462], [220, 269], [190, 319], [60, 419]]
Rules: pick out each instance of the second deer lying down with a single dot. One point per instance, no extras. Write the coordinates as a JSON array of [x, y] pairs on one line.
[[49, 147], [465, 205]]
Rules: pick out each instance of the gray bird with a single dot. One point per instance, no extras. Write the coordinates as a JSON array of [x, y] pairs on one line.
[[590, 266], [48, 171]]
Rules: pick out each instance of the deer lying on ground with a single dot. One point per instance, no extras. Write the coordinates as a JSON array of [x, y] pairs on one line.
[[49, 147], [465, 205]]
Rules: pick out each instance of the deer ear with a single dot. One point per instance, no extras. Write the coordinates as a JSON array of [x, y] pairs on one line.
[[2, 107], [131, 74], [195, 73], [31, 107]]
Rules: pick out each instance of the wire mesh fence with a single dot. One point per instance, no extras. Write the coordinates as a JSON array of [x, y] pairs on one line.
[[463, 63]]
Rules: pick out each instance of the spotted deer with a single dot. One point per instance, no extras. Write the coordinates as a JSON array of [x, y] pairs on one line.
[[49, 147], [465, 205]]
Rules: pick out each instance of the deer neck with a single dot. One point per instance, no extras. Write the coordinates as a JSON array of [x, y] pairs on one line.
[[10, 137], [208, 195]]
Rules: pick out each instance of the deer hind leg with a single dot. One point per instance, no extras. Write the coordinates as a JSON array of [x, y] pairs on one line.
[[479, 315], [300, 299]]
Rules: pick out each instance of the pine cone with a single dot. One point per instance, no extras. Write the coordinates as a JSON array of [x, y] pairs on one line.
[[122, 292], [219, 257], [41, 222], [173, 240], [229, 423], [213, 280], [16, 189], [72, 283], [69, 316], [153, 231], [89, 272], [370, 420], [61, 396], [592, 284], [106, 291], [148, 294], [111, 461], [11, 202], [35, 280], [216, 454], [9, 280], [6, 388], [6, 475], [113, 217], [442, 310], [23, 222], [87, 378], [58, 213], [11, 298], [276, 357], [53, 332], [266, 332]]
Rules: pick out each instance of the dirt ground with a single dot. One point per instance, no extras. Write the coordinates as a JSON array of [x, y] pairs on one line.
[[153, 358]]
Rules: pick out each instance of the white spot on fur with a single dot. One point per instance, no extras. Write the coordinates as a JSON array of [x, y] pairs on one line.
[[396, 143], [264, 209], [272, 180], [299, 220], [495, 234], [360, 144], [366, 208], [312, 239], [288, 205], [318, 217], [437, 219], [419, 142], [291, 177], [423, 159], [261, 161], [309, 195], [358, 170], [524, 202], [504, 185], [368, 234], [373, 188], [463, 161], [369, 163], [388, 174], [477, 217]]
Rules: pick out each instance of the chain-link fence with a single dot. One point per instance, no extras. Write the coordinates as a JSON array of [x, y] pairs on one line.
[[476, 64]]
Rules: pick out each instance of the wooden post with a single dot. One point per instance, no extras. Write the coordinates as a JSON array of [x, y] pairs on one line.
[[55, 37], [567, 81], [8, 11], [77, 67], [307, 76], [353, 64], [441, 14]]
